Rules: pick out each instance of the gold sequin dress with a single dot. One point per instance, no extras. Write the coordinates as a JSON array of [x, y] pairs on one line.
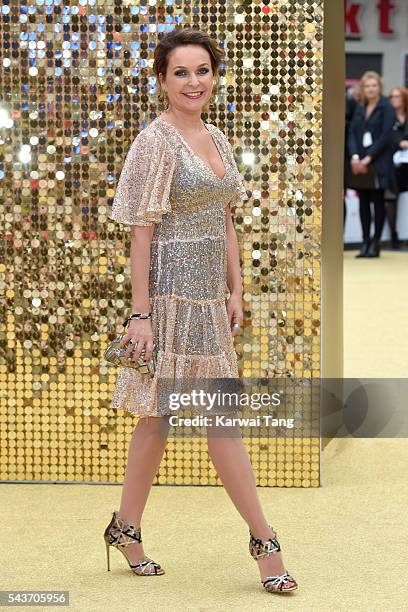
[[165, 184]]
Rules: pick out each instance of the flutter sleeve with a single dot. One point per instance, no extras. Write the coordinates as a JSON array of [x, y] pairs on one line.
[[143, 190], [240, 191]]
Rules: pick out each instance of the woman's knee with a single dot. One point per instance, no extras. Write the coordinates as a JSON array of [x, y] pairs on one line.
[[154, 425]]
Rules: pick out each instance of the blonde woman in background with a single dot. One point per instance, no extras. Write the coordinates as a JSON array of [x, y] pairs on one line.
[[369, 144]]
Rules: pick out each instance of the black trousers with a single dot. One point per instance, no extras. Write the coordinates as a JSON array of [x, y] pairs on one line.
[[366, 196]]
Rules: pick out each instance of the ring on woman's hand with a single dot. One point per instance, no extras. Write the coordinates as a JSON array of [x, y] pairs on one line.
[[236, 324]]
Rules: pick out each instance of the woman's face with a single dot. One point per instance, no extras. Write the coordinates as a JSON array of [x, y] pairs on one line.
[[188, 71], [396, 99], [371, 88]]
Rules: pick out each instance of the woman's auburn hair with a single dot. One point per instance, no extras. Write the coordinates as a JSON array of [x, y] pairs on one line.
[[185, 36], [404, 93]]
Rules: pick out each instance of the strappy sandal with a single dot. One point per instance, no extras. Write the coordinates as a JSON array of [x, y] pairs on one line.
[[263, 548], [120, 533]]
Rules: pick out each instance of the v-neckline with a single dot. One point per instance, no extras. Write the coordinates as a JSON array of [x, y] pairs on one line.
[[365, 111], [221, 180]]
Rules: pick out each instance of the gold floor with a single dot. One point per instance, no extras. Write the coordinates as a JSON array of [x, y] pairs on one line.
[[376, 315], [345, 542]]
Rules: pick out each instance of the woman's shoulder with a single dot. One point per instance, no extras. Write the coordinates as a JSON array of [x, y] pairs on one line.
[[219, 135], [149, 131], [359, 111], [152, 136], [385, 102]]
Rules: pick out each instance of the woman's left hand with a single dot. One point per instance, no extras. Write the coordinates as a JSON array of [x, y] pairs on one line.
[[235, 312]]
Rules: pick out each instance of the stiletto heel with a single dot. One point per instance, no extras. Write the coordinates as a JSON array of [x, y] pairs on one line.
[[107, 555], [374, 248], [120, 533], [364, 249], [263, 548]]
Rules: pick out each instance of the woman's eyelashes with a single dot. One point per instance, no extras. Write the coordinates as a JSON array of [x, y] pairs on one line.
[[203, 70]]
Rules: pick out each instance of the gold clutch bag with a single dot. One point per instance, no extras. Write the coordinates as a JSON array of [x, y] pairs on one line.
[[117, 355]]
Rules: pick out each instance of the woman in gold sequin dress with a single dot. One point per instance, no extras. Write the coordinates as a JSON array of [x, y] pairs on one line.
[[175, 190]]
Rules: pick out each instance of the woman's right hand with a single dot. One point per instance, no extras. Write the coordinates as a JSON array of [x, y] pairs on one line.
[[358, 167], [140, 332], [355, 166]]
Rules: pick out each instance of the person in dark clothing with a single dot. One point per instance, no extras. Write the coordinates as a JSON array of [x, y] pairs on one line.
[[399, 99], [353, 97], [369, 144]]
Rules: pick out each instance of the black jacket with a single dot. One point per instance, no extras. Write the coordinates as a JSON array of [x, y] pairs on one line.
[[400, 132], [351, 104], [380, 123], [400, 174]]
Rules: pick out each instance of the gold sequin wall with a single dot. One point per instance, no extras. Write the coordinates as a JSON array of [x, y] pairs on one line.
[[76, 87]]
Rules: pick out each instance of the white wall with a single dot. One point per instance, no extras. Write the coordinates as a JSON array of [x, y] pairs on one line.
[[352, 230], [372, 41]]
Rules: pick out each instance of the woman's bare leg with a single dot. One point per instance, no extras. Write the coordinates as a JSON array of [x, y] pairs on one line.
[[146, 449], [233, 466]]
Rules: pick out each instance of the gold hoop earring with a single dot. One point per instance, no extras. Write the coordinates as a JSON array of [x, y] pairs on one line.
[[163, 100], [211, 101]]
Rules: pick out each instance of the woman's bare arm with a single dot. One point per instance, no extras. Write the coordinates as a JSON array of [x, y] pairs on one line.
[[233, 266], [141, 238], [234, 282], [140, 330]]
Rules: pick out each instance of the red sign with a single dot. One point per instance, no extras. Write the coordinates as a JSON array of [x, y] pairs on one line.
[[352, 17]]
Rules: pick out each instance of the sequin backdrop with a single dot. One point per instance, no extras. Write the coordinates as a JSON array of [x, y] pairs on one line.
[[76, 87]]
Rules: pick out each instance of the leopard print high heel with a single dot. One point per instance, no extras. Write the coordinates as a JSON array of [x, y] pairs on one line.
[[120, 533], [263, 548]]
